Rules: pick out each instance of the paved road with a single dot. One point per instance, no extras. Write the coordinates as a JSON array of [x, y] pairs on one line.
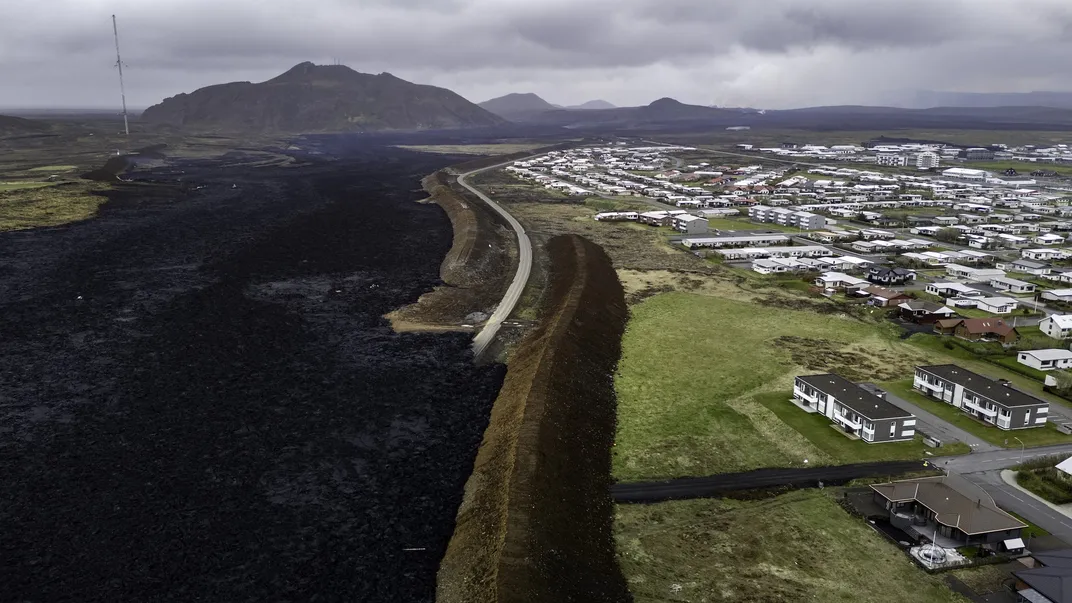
[[935, 426], [1011, 499], [716, 485], [1000, 458], [521, 278]]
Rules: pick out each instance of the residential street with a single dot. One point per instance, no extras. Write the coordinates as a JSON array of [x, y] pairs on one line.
[[934, 426]]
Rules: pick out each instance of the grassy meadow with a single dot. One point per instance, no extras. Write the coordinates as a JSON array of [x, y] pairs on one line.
[[799, 546]]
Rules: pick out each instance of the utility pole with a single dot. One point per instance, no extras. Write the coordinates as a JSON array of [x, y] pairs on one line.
[[122, 88]]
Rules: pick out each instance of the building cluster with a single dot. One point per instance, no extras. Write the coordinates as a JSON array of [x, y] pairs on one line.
[[920, 155]]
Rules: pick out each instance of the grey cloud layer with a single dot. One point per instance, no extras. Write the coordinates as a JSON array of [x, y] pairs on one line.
[[770, 53]]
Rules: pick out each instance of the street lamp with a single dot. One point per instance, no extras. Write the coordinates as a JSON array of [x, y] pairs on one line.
[[1021, 449]]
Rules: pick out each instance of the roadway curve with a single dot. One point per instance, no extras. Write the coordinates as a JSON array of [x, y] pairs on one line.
[[521, 278]]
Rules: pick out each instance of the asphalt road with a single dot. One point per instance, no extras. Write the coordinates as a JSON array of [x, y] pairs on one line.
[[935, 426], [521, 278], [716, 485]]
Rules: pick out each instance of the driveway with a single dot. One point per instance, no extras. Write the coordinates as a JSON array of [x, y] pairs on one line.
[[933, 425]]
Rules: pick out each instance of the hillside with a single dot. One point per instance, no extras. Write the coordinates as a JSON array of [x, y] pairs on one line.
[[661, 112], [321, 98], [14, 126], [517, 106], [928, 98], [593, 104]]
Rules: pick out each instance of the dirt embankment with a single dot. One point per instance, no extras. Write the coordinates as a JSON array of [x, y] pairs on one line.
[[476, 271], [536, 521]]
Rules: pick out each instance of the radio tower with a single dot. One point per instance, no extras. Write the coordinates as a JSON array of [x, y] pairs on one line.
[[122, 89]]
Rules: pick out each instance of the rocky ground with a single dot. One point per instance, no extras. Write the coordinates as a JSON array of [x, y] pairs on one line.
[[200, 400]]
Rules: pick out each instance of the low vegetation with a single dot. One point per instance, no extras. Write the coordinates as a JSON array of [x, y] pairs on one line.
[[47, 205], [1041, 476], [696, 369], [800, 546]]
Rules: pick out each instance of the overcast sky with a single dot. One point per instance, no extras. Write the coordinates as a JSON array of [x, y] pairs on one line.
[[769, 53]]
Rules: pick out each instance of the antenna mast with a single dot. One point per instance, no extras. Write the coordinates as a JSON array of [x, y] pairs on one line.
[[122, 88]]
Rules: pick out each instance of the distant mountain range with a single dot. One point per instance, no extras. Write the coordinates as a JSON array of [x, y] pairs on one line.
[[524, 106], [517, 106], [922, 99], [14, 126], [321, 98]]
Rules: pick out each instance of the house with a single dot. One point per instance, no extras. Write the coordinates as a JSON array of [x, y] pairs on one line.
[[837, 280], [776, 265], [949, 289], [924, 312], [976, 329], [1045, 360], [690, 224], [890, 276], [1049, 581], [1058, 295], [1057, 326], [1049, 239], [856, 410], [954, 510], [997, 305], [993, 402], [883, 297], [1012, 285], [974, 275], [1065, 467], [1042, 255], [1026, 267]]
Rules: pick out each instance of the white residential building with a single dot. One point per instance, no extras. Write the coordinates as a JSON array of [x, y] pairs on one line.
[[1057, 326], [1045, 360], [927, 160]]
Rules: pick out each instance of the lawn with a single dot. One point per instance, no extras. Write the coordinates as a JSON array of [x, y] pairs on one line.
[[1038, 436], [820, 431], [799, 546], [694, 369]]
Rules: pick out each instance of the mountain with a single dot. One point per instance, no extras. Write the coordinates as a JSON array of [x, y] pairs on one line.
[[321, 98], [922, 99], [591, 105], [14, 126], [517, 106], [661, 112]]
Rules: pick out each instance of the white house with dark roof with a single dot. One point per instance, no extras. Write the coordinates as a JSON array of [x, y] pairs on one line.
[[990, 401], [857, 411]]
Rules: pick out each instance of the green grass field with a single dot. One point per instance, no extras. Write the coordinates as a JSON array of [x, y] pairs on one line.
[[1037, 436], [700, 376], [821, 432], [799, 546], [695, 370]]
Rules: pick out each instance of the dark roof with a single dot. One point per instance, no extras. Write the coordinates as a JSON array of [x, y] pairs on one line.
[[1054, 583], [854, 397], [1030, 263], [987, 326], [1001, 394], [955, 503], [885, 293], [1058, 558]]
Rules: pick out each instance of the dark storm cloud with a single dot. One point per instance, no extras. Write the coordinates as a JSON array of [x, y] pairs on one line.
[[770, 53]]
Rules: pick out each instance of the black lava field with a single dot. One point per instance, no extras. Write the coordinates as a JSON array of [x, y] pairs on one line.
[[200, 401]]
